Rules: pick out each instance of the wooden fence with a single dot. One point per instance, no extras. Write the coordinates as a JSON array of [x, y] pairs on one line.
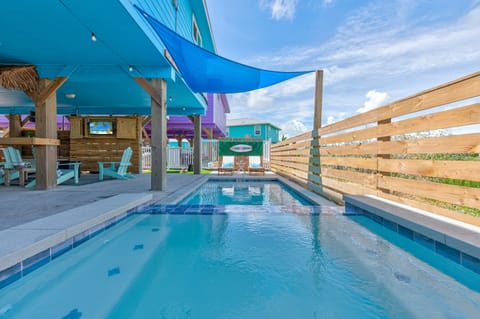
[[392, 152]]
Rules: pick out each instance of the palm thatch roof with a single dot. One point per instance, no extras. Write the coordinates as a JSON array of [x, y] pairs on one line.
[[19, 77]]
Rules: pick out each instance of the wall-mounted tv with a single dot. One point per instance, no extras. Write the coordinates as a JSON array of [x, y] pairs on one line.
[[100, 127]]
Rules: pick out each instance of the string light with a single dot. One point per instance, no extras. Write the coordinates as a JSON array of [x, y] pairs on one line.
[[94, 37], [130, 68]]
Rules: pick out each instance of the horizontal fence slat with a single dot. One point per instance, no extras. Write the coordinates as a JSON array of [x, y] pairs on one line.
[[466, 196], [354, 162], [462, 170], [347, 187], [369, 180], [452, 144]]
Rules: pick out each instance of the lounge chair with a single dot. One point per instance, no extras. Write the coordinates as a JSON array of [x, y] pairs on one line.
[[117, 169], [255, 165], [226, 165]]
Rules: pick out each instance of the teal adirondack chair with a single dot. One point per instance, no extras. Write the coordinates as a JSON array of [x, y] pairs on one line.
[[10, 156], [117, 169], [63, 175]]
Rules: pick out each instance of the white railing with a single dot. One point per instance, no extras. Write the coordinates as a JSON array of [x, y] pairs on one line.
[[146, 157]]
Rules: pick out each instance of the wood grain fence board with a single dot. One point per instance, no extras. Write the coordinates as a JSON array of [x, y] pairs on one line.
[[456, 117], [469, 219], [304, 152], [358, 135], [354, 149], [452, 144], [295, 159], [466, 196], [369, 180], [347, 187], [354, 162], [299, 145], [463, 170], [292, 173], [301, 167], [304, 136]]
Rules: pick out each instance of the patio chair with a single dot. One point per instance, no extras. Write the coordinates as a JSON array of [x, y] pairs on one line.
[[117, 170], [12, 159], [255, 165], [226, 165], [63, 174]]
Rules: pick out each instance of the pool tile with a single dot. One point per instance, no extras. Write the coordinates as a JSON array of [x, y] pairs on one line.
[[138, 247], [390, 225], [448, 252], [36, 261], [424, 241], [113, 272], [74, 314], [471, 262], [61, 248], [11, 274], [406, 232], [81, 238], [155, 230]]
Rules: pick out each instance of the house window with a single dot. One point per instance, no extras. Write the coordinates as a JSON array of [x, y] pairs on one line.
[[257, 131], [197, 38]]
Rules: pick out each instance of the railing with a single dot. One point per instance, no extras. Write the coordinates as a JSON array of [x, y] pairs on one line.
[[146, 157], [396, 153]]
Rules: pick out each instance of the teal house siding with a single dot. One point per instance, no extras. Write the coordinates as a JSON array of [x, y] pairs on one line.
[[251, 128]]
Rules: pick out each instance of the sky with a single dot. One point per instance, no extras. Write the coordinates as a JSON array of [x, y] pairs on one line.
[[371, 52]]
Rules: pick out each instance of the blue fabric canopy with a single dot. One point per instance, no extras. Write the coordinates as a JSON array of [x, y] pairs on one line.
[[206, 72]]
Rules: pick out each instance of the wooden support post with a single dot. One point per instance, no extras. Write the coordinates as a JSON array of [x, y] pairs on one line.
[[317, 116], [208, 132], [46, 127], [197, 144], [15, 125], [158, 142], [314, 172]]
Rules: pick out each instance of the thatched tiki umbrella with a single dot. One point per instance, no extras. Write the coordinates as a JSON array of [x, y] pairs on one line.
[[20, 77]]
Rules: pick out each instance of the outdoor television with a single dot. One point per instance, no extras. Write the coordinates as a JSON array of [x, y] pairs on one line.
[[101, 127]]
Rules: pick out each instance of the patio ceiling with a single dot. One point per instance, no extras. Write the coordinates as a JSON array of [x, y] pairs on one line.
[[55, 35]]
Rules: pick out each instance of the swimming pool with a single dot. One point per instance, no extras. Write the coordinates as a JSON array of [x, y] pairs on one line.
[[193, 261], [245, 192]]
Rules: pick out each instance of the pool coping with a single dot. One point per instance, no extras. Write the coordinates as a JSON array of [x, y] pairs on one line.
[[455, 240], [32, 244]]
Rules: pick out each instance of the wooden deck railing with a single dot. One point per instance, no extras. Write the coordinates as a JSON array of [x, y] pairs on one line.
[[381, 152]]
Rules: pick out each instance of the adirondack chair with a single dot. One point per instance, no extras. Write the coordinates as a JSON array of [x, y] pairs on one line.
[[63, 174], [11, 161], [116, 169]]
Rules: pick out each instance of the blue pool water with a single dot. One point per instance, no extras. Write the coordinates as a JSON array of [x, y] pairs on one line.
[[260, 262], [245, 193]]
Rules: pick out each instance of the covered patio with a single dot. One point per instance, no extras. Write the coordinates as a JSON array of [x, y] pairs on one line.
[[65, 59]]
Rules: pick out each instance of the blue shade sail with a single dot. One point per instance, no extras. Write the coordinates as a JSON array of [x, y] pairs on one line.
[[206, 72]]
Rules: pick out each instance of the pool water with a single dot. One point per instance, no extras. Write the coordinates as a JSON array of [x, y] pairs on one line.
[[262, 262], [245, 193]]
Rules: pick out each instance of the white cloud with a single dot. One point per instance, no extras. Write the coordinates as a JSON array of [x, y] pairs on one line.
[[374, 100], [280, 9], [293, 128]]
